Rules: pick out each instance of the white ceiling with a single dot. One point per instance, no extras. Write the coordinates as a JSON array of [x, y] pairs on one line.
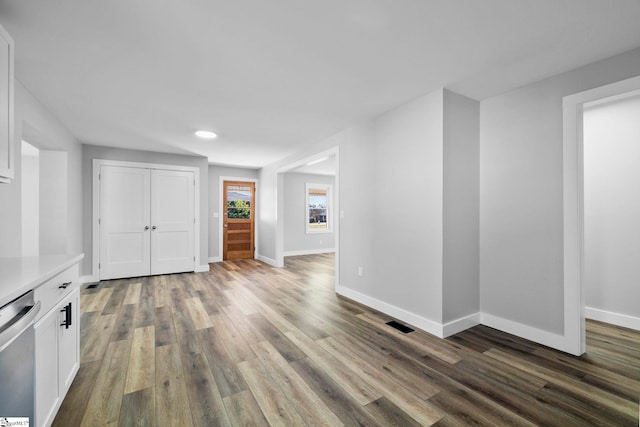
[[268, 76]]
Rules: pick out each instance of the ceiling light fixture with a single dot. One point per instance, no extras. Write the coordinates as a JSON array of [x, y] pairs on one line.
[[315, 162], [207, 134]]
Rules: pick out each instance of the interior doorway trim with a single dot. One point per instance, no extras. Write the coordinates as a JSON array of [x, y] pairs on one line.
[[95, 215], [221, 210], [334, 151], [573, 203]]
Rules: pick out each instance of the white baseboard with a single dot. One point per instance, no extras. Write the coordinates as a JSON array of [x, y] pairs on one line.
[[88, 279], [271, 262], [310, 252], [215, 259], [425, 324], [459, 325], [614, 318], [202, 268], [530, 333]]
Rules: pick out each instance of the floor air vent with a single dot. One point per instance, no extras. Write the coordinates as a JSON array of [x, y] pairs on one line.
[[92, 286], [399, 326]]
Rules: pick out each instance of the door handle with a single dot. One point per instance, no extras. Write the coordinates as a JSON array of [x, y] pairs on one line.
[[67, 316], [146, 227]]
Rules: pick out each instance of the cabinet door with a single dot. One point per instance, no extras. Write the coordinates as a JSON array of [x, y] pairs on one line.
[[47, 387], [68, 341], [6, 107], [124, 222], [172, 221]]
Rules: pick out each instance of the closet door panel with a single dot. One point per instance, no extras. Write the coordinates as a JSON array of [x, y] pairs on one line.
[[172, 221], [124, 222]]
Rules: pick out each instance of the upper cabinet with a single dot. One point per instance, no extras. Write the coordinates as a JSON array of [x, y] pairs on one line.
[[6, 107]]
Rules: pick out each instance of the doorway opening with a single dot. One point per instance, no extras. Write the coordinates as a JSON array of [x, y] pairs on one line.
[[574, 339], [295, 238]]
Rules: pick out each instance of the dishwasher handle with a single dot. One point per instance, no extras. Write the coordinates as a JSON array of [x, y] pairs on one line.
[[8, 335]]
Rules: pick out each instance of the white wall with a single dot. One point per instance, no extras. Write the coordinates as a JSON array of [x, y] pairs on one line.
[[54, 206], [521, 200], [215, 172], [405, 202], [612, 207], [30, 177], [461, 258], [91, 152], [391, 184], [296, 239], [36, 125]]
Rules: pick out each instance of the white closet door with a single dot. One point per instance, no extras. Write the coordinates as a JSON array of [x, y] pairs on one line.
[[172, 221], [124, 222]]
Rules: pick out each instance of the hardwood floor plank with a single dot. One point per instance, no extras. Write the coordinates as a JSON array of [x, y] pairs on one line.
[[172, 400], [339, 400], [116, 298], [275, 407], [391, 415], [95, 337], [180, 349], [106, 396], [246, 329], [133, 293], [138, 408], [288, 350], [357, 388], [124, 326], [205, 401], [586, 391], [145, 314], [421, 411], [235, 344], [161, 296], [243, 410], [198, 313], [74, 406], [141, 368], [224, 369], [100, 301], [164, 331], [303, 399]]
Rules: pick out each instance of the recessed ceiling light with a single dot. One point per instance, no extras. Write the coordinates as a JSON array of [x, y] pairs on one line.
[[206, 134]]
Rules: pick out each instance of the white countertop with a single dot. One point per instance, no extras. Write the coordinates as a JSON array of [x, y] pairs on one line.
[[22, 274]]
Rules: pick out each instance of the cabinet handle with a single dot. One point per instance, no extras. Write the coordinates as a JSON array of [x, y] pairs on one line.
[[153, 227], [64, 285], [67, 316]]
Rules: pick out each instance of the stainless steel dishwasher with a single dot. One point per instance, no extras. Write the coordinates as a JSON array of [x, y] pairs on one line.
[[17, 357]]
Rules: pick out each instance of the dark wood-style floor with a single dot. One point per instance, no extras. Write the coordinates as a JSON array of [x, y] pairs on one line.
[[248, 344]]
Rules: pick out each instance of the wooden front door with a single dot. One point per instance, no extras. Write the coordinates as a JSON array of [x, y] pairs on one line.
[[238, 220]]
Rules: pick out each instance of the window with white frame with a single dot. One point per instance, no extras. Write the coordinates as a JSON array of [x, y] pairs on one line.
[[318, 208]]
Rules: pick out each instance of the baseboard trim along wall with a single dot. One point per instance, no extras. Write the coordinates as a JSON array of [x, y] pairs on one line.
[[413, 319], [215, 259], [459, 325], [202, 268], [525, 331], [88, 279], [614, 318], [310, 252], [444, 330], [271, 262]]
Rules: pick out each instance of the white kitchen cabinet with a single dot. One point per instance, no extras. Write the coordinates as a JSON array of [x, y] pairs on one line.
[[6, 107], [57, 343]]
